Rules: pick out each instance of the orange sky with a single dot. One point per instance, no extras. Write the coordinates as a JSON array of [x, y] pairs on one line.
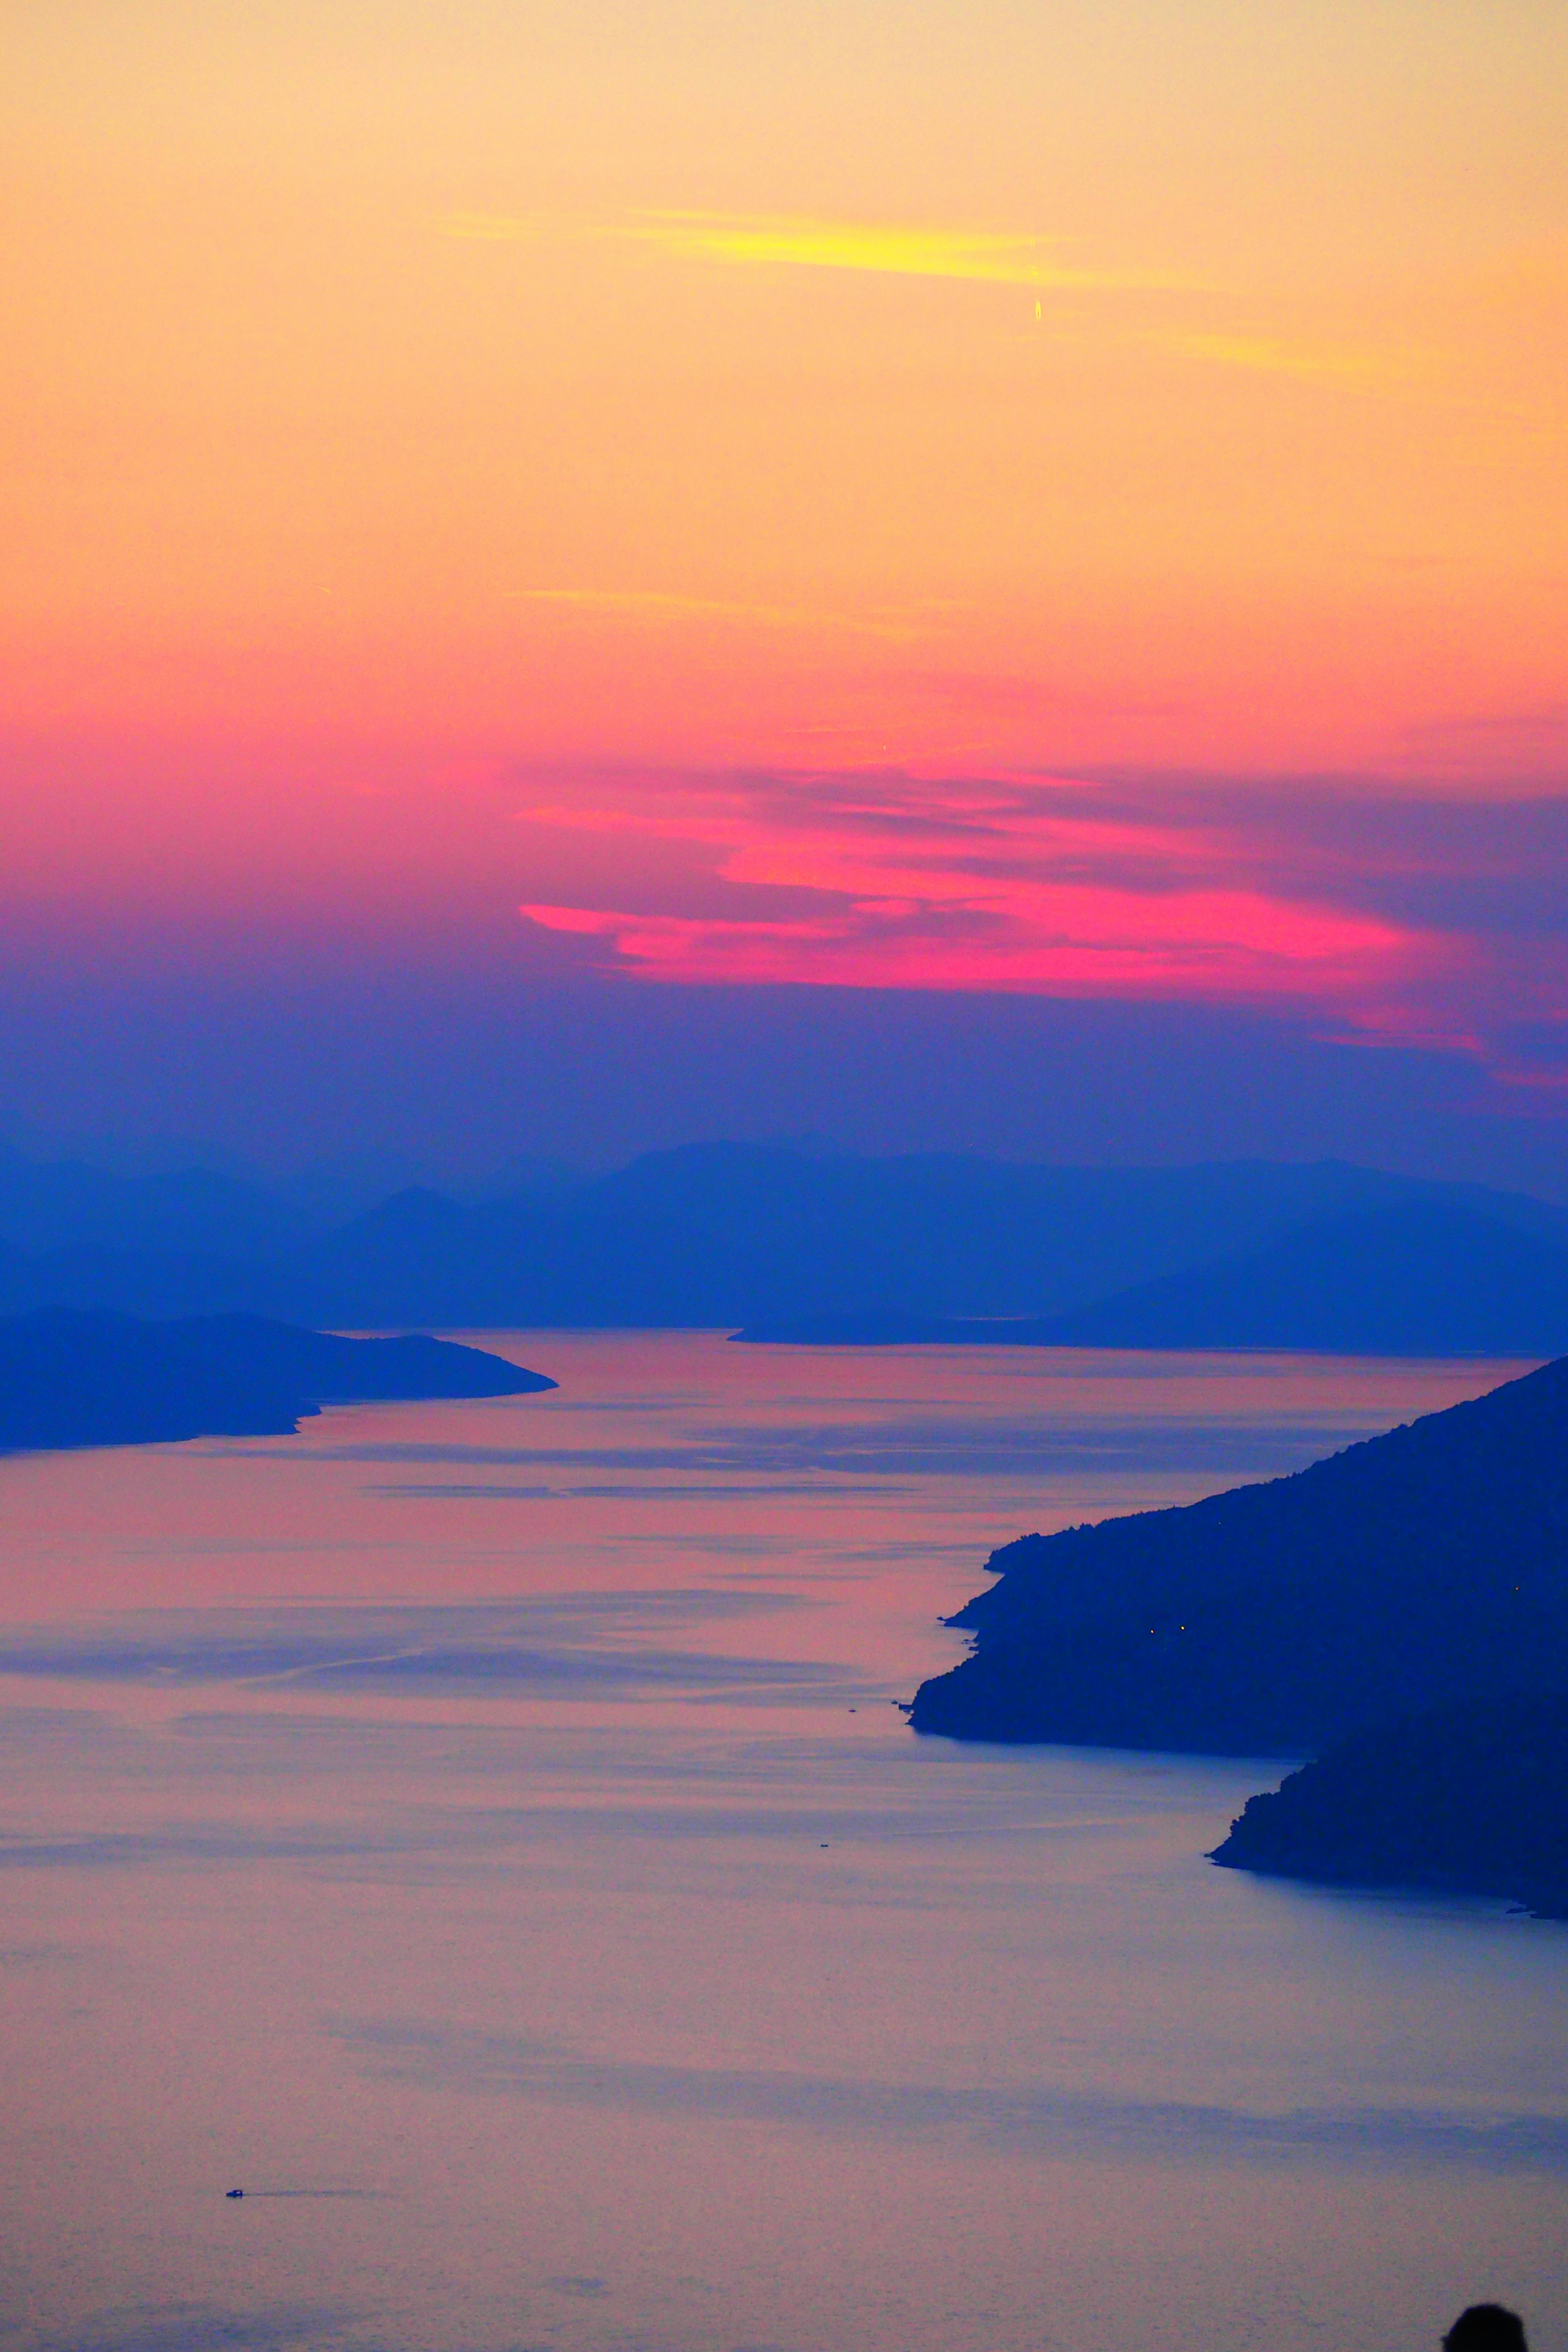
[[954, 389]]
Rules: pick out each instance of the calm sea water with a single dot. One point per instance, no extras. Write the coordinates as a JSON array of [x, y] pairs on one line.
[[484, 1833]]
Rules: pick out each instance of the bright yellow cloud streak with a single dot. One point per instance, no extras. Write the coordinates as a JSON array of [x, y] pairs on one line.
[[998, 258], [1270, 355], [805, 244]]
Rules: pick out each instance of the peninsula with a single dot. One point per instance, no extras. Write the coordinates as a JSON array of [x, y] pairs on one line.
[[1469, 1800], [93, 1378], [1423, 1568]]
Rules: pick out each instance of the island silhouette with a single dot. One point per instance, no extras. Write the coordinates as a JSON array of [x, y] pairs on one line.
[[71, 1378]]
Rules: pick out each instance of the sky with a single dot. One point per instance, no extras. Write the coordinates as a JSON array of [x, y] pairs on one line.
[[966, 574]]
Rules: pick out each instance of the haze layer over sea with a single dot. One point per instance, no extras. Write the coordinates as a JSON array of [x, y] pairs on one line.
[[484, 1833]]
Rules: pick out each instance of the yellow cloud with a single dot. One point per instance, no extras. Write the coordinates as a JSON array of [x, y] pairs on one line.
[[1308, 363], [992, 258]]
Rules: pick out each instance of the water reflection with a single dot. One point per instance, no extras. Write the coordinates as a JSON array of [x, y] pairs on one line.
[[546, 1916]]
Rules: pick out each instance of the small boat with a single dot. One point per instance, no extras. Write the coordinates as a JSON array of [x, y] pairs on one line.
[[236, 2192]]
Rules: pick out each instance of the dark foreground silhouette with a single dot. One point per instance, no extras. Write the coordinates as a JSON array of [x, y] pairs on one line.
[[99, 1378], [1467, 1800], [1423, 1568], [1485, 2327]]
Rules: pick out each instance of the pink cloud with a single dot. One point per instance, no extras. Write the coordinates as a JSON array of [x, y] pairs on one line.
[[1018, 886], [1055, 942]]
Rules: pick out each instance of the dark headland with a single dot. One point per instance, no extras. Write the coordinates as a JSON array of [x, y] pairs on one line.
[[1424, 1568], [1469, 1800], [93, 1378]]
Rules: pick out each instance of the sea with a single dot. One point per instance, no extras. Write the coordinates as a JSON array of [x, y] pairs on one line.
[[488, 1835]]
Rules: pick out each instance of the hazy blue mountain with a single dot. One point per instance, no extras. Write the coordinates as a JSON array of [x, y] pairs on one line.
[[100, 1379], [958, 1236], [64, 1204], [420, 1257], [331, 1191], [527, 1176], [723, 1235], [158, 1283], [1469, 1800], [19, 1277], [1426, 1567], [1421, 1276]]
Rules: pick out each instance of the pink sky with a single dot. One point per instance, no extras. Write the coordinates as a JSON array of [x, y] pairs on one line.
[[735, 491]]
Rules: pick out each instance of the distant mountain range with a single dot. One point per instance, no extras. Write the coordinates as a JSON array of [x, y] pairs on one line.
[[1423, 1277], [1423, 1568], [799, 1245], [93, 1378]]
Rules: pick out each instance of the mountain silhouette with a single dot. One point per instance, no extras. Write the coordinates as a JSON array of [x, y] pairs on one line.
[[65, 1204], [1423, 1278], [757, 1236], [1426, 1567]]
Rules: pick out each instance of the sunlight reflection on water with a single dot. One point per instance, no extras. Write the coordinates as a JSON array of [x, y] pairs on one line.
[[526, 1888]]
